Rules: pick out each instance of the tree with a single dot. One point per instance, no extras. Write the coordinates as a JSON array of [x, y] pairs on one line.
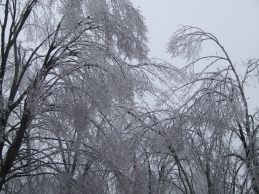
[[83, 110], [45, 52], [214, 100]]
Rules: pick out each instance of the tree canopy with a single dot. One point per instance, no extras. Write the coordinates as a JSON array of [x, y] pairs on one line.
[[83, 109]]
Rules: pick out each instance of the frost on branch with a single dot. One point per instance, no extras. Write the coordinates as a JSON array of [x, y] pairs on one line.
[[186, 43], [121, 24]]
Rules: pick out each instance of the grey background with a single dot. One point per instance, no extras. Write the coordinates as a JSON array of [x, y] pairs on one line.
[[234, 22]]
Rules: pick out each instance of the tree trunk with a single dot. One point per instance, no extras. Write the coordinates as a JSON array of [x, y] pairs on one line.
[[14, 148]]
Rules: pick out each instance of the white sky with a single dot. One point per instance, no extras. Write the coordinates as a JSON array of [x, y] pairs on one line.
[[234, 22]]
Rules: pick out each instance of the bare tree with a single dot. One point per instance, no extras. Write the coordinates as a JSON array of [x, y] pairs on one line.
[[42, 50], [216, 101]]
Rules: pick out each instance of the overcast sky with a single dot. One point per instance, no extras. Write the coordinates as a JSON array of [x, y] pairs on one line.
[[234, 22]]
